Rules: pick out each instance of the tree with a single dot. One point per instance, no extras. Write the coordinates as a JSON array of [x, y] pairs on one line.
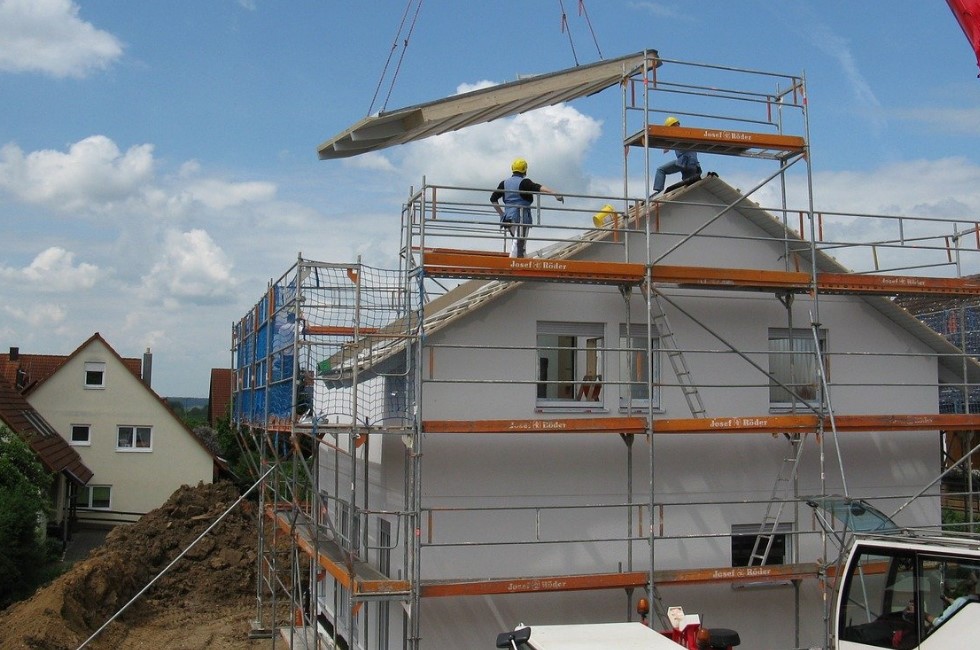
[[23, 501]]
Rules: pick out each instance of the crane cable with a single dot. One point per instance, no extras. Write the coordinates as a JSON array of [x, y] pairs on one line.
[[582, 11], [565, 29], [394, 46], [418, 8]]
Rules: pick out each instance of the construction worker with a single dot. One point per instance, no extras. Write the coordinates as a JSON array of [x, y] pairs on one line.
[[518, 195], [686, 163]]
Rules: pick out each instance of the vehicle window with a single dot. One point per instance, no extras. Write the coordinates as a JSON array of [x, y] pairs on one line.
[[880, 601], [952, 585]]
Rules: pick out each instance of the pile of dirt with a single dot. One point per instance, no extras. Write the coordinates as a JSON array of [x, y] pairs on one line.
[[213, 583]]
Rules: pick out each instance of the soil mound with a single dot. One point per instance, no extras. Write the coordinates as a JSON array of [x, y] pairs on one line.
[[216, 576]]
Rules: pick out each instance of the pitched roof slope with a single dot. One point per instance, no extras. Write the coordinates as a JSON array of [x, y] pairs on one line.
[[950, 356], [26, 371], [53, 451]]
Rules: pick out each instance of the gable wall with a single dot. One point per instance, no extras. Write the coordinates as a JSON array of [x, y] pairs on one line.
[[497, 470], [140, 480], [553, 487]]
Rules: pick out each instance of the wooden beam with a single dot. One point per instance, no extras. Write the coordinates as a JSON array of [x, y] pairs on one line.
[[470, 265], [771, 424], [890, 285], [489, 265], [718, 141], [632, 579]]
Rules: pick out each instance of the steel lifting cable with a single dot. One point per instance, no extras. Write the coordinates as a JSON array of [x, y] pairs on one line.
[[394, 46], [565, 29], [582, 11], [398, 67]]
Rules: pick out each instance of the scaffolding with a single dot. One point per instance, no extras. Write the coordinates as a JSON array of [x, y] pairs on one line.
[[336, 364]]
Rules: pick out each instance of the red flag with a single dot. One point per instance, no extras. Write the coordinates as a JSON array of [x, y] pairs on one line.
[[967, 13]]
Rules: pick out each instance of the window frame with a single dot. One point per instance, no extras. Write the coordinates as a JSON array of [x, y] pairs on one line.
[[88, 491], [135, 430], [581, 360], [747, 533], [92, 367], [87, 442], [806, 356], [638, 403]]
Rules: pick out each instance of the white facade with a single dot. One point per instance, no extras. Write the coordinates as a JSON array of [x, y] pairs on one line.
[[569, 488], [139, 451]]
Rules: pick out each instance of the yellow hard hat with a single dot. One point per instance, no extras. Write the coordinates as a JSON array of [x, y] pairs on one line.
[[672, 121], [519, 165]]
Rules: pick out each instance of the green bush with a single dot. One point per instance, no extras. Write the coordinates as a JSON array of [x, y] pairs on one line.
[[24, 553]]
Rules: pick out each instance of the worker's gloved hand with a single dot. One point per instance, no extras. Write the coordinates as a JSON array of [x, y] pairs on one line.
[[559, 198]]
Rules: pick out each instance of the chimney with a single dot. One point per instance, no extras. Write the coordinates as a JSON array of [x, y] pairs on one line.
[[14, 353], [147, 366]]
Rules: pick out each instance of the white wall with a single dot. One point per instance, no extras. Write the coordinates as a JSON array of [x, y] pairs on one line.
[[692, 473], [140, 480]]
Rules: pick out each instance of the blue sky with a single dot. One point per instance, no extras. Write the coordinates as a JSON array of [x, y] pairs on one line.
[[158, 159]]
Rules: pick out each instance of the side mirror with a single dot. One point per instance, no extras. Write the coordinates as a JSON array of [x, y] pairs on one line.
[[515, 639]]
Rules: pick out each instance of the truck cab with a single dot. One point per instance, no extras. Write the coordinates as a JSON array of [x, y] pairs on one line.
[[908, 591]]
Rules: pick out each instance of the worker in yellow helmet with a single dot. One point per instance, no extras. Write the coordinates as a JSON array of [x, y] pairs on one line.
[[686, 163], [518, 194]]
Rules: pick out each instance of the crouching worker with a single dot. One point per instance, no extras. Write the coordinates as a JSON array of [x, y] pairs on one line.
[[518, 195], [686, 163]]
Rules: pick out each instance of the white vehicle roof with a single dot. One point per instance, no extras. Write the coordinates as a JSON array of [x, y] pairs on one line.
[[622, 636], [968, 545]]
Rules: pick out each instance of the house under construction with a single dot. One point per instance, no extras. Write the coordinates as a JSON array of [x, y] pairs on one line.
[[682, 398]]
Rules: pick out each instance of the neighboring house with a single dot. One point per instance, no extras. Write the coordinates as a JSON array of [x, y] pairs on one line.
[[219, 395], [63, 463], [138, 450]]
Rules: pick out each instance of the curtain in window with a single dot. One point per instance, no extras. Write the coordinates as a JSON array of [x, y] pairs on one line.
[[793, 362]]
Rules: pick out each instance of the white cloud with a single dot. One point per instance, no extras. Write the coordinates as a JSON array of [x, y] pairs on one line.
[[54, 270], [219, 195], [958, 121], [371, 161], [192, 269], [470, 87], [837, 47], [555, 141], [42, 315], [48, 36], [936, 200], [93, 173]]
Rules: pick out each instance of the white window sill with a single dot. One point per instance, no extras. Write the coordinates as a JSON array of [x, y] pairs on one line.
[[570, 408]]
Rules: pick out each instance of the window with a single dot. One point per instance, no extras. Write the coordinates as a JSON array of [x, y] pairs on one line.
[[895, 597], [98, 497], [569, 363], [793, 363], [134, 438], [743, 542], [81, 434], [633, 365], [94, 374]]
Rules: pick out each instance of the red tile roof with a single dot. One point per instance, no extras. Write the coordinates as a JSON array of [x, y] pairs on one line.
[[53, 451], [219, 395], [28, 370]]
